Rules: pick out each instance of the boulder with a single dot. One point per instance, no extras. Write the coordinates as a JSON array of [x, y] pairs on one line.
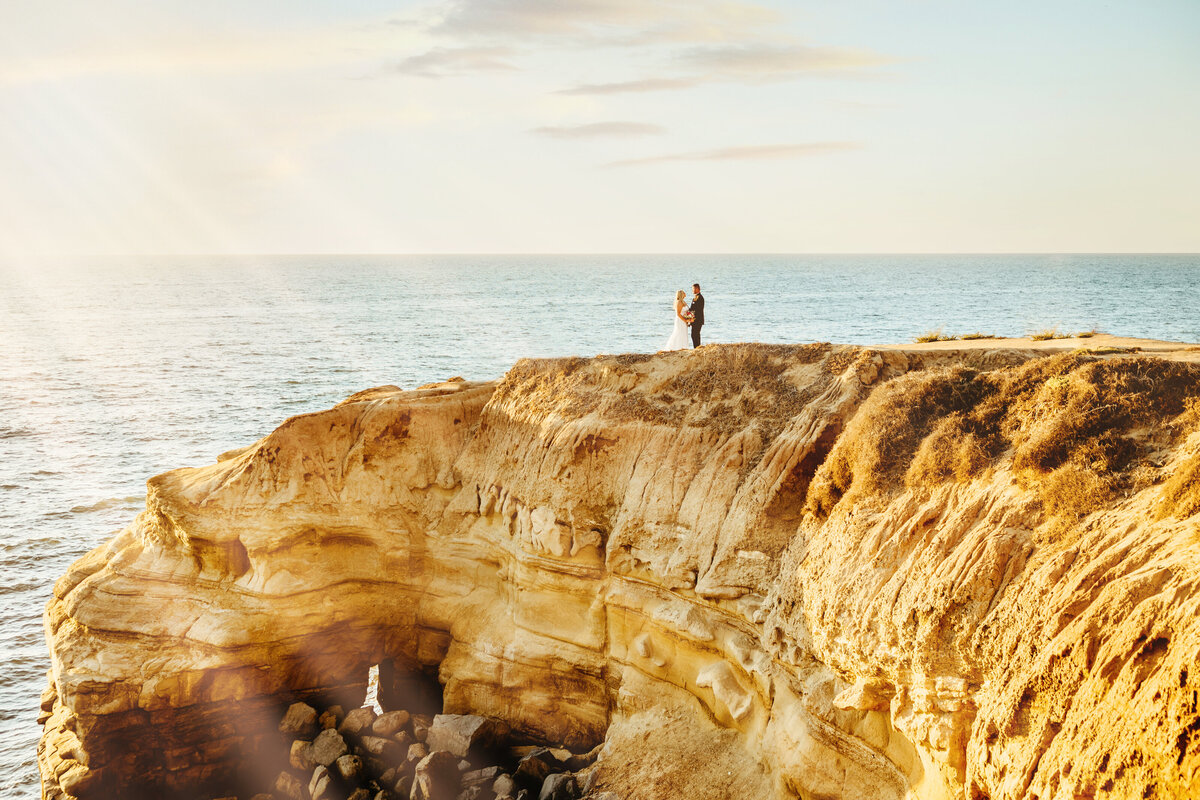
[[389, 722], [470, 793], [531, 771], [299, 722], [359, 794], [49, 695], [356, 720], [301, 756], [321, 785], [420, 726], [464, 734], [481, 776], [331, 717], [560, 786], [416, 752], [504, 786], [349, 768], [387, 750], [289, 786], [436, 777], [403, 786], [561, 754], [328, 747], [550, 757]]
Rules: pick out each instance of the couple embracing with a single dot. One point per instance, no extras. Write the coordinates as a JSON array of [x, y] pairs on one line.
[[687, 316]]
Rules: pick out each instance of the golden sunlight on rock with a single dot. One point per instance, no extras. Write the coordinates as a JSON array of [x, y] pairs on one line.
[[816, 571]]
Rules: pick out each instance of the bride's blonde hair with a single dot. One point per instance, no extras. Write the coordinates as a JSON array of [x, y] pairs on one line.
[[680, 295]]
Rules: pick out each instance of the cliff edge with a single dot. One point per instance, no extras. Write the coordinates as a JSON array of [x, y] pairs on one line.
[[966, 570]]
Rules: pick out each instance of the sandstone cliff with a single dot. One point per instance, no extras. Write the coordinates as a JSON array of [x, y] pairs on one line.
[[812, 571]]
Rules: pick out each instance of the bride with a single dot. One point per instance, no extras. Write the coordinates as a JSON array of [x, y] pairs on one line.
[[679, 334]]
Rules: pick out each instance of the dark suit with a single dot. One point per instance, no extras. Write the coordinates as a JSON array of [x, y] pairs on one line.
[[697, 309]]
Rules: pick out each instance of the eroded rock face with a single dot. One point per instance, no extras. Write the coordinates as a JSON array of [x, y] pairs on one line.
[[839, 572]]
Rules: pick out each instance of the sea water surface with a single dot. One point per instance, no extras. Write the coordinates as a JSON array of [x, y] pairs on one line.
[[113, 370]]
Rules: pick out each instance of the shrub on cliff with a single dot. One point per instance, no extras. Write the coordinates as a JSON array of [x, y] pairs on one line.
[[1079, 428], [881, 440]]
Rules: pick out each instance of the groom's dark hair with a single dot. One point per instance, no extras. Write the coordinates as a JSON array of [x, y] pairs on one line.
[[695, 286]]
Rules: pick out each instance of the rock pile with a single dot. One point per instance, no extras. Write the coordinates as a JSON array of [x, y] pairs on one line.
[[361, 755]]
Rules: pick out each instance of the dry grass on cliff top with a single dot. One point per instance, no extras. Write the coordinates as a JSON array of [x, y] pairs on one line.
[[1181, 491], [719, 387], [742, 384], [536, 387], [1083, 430]]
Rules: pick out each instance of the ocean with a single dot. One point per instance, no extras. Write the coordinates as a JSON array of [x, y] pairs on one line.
[[116, 369]]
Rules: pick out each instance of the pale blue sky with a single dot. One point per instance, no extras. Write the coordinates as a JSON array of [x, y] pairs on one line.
[[599, 126]]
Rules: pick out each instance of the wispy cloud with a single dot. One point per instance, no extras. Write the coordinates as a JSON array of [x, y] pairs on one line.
[[624, 87], [442, 62], [750, 153], [749, 62], [774, 60], [693, 42], [597, 129], [606, 21]]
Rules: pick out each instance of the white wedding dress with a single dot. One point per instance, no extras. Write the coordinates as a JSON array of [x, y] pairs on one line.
[[679, 334]]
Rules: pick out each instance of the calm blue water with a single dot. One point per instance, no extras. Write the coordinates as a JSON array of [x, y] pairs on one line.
[[116, 370]]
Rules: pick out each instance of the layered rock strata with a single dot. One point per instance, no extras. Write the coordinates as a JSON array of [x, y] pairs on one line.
[[825, 571]]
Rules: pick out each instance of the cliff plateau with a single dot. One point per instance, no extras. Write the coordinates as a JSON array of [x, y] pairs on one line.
[[818, 571]]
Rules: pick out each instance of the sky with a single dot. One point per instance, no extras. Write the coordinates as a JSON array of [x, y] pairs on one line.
[[607, 126]]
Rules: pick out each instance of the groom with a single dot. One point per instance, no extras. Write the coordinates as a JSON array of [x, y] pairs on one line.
[[697, 309]]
